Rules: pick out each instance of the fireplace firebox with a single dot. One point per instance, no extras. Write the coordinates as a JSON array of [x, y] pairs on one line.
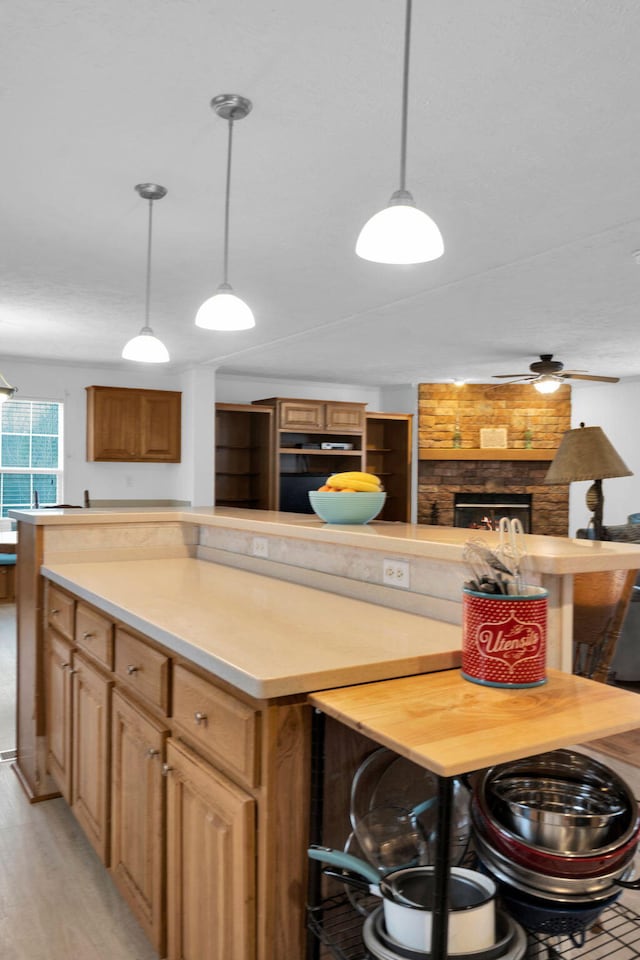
[[482, 511]]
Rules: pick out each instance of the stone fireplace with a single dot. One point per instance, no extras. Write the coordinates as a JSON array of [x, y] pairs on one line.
[[453, 461]]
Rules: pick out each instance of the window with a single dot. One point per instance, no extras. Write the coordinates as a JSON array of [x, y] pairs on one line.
[[30, 454]]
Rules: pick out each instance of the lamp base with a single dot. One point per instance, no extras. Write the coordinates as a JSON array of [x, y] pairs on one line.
[[595, 503]]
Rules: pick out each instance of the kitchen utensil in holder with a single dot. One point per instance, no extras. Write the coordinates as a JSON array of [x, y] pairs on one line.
[[504, 638]]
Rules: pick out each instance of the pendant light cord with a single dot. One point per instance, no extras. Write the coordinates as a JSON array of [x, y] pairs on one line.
[[405, 98], [227, 204], [148, 290]]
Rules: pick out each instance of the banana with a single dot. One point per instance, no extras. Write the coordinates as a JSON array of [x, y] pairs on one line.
[[353, 481], [357, 475]]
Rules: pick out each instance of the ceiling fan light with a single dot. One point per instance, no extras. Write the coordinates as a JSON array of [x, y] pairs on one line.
[[225, 311], [547, 384], [400, 234], [145, 348]]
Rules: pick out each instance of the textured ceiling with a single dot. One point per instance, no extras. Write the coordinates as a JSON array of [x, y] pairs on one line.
[[524, 146]]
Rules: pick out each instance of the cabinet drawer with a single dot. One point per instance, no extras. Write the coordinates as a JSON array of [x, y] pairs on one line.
[[143, 669], [94, 633], [224, 727], [60, 611]]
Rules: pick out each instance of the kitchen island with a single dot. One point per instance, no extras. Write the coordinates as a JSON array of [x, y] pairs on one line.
[[187, 643]]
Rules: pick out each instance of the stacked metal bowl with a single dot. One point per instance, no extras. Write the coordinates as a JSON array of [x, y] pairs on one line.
[[558, 833]]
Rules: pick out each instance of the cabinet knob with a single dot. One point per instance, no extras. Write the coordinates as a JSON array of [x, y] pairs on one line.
[[71, 672], [152, 752], [131, 669], [166, 769], [54, 612], [200, 718], [88, 636], [65, 666]]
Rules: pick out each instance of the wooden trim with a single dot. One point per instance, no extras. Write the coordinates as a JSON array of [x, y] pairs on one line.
[[487, 453]]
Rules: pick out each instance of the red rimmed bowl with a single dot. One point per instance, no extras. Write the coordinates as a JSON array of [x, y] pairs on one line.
[[599, 861]]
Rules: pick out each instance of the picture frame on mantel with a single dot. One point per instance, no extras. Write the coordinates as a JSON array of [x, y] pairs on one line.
[[493, 438]]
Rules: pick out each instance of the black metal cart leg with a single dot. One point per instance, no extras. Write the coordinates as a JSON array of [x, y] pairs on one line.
[[440, 921]]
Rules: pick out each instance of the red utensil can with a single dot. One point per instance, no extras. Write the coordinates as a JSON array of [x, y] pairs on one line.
[[504, 638]]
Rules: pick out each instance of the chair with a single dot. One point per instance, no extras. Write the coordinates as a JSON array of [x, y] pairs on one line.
[[600, 602], [7, 577]]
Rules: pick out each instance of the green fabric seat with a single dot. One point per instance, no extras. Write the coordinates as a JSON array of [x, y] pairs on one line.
[[7, 559]]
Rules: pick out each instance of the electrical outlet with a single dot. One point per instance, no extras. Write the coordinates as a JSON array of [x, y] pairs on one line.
[[260, 547], [395, 573]]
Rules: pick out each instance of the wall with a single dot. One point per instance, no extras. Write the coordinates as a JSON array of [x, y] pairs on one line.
[[190, 481], [615, 408], [104, 481], [452, 417]]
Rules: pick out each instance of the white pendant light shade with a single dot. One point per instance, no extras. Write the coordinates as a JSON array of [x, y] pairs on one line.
[[547, 384], [400, 234], [7, 392], [225, 311], [146, 348]]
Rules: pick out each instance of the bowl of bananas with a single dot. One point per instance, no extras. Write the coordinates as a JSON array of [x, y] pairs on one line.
[[352, 497]]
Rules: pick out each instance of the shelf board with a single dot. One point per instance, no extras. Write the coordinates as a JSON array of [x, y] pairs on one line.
[[484, 453], [320, 453]]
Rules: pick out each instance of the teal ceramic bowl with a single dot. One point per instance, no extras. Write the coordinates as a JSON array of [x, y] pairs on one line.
[[346, 507]]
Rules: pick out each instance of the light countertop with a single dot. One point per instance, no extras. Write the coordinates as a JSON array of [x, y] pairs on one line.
[[267, 637], [546, 555]]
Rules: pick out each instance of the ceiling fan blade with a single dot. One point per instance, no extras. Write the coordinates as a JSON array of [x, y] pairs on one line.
[[581, 376], [512, 376]]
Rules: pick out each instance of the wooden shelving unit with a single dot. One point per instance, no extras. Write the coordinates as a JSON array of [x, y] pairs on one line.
[[299, 429], [388, 455], [244, 458]]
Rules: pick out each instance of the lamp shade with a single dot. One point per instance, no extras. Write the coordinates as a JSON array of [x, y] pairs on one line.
[[586, 454], [7, 392], [400, 234], [145, 348], [225, 311]]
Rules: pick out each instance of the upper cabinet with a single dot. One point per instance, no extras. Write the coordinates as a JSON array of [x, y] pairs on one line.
[[125, 424]]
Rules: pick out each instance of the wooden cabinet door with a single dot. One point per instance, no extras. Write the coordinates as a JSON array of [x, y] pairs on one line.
[[90, 755], [113, 424], [346, 417], [127, 424], [210, 862], [137, 815], [301, 415], [160, 413], [58, 710]]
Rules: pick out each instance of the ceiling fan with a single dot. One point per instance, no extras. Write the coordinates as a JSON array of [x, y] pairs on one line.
[[547, 374]]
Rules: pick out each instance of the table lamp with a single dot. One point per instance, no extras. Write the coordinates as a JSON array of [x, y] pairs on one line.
[[587, 454]]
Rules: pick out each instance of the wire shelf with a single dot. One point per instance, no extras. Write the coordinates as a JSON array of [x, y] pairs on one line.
[[614, 936]]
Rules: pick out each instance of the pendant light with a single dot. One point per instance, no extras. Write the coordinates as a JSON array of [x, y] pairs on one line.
[[146, 348], [226, 311], [7, 392], [401, 233]]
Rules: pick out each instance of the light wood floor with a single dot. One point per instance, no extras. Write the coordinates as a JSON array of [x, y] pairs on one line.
[[57, 902]]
